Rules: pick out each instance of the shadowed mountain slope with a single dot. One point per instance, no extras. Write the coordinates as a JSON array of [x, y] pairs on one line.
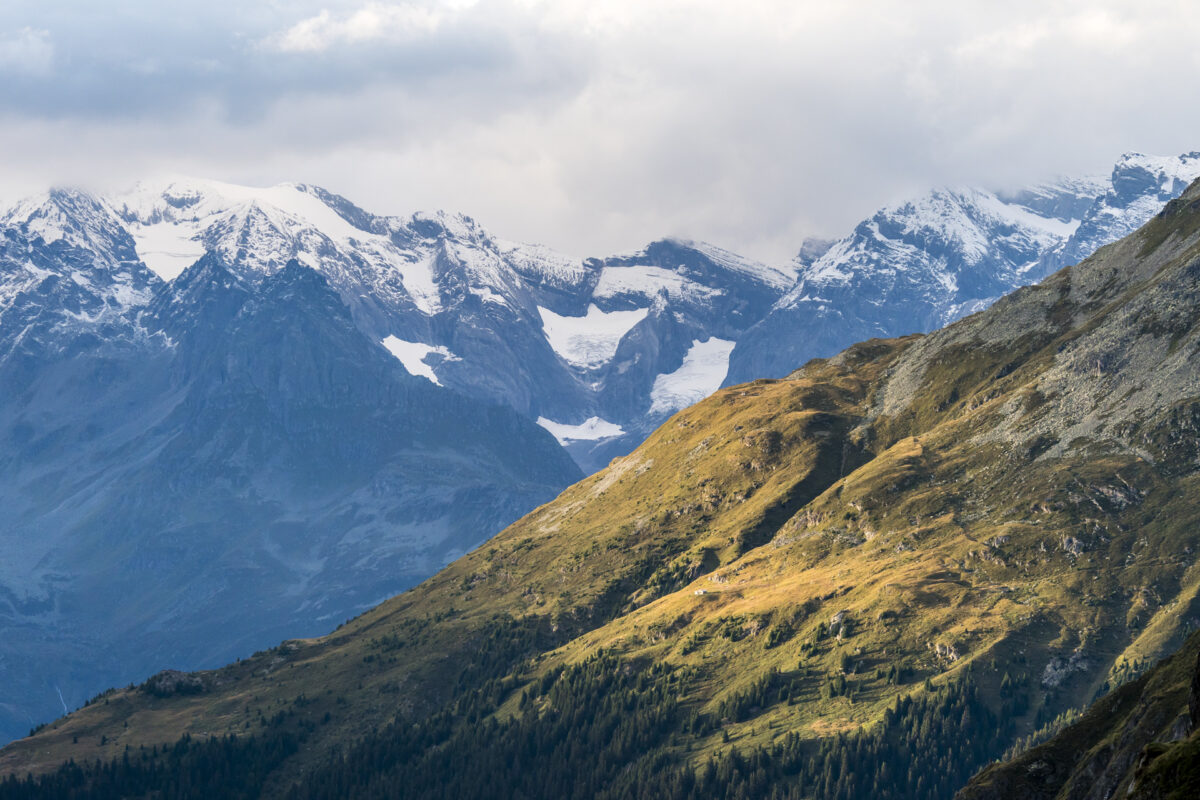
[[190, 478], [1141, 742]]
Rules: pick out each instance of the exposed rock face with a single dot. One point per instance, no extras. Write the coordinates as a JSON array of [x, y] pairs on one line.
[[1059, 669], [947, 652]]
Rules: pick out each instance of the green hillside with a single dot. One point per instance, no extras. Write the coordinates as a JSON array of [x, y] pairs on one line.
[[869, 579]]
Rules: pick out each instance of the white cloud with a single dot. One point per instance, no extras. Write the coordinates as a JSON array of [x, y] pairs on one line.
[[595, 125], [29, 51], [372, 23]]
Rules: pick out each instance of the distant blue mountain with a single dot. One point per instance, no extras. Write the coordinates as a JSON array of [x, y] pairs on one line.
[[191, 471]]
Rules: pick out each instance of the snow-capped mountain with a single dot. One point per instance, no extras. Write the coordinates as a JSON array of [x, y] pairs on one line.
[[916, 266], [599, 351], [1138, 188], [190, 471]]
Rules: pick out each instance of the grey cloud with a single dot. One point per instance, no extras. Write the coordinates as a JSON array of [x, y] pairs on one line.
[[593, 125], [143, 62]]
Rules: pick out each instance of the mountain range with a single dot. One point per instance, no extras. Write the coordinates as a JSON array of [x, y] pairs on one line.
[[869, 579], [600, 351], [921, 264], [235, 415]]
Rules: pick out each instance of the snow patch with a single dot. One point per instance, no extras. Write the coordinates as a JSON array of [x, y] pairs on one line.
[[779, 277], [591, 340], [703, 370], [167, 249], [590, 430], [413, 354], [647, 281], [128, 297], [38, 272], [420, 283]]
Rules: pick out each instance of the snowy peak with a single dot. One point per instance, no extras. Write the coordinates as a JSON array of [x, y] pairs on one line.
[[67, 268], [443, 225], [961, 237], [74, 219], [950, 240], [544, 267], [778, 277], [918, 265], [380, 265], [175, 222], [700, 262], [1137, 189], [1137, 174]]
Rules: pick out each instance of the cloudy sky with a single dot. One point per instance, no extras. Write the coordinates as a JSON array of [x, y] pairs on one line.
[[596, 125]]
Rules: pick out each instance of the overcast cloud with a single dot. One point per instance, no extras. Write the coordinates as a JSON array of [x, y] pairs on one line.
[[591, 125]]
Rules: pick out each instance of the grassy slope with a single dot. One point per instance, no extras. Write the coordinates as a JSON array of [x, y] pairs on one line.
[[1013, 493]]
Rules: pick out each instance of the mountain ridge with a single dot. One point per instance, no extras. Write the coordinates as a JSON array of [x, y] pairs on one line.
[[961, 249]]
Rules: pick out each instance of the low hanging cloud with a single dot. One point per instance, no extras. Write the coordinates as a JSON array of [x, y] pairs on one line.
[[595, 125], [28, 51]]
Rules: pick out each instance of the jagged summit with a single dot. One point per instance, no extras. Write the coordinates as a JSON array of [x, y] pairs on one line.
[[176, 221]]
